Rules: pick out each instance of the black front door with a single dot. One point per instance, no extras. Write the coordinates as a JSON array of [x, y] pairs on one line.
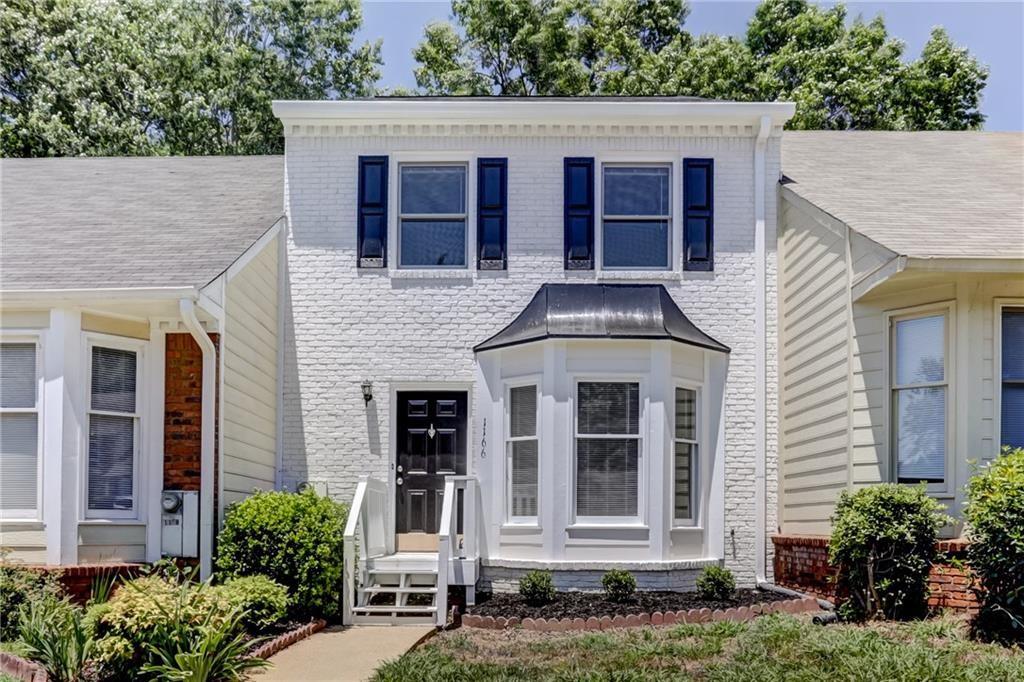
[[431, 445]]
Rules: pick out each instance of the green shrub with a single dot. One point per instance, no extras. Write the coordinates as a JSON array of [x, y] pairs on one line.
[[140, 612], [995, 518], [294, 539], [883, 543], [536, 588], [54, 634], [619, 586], [259, 600], [19, 586], [716, 582]]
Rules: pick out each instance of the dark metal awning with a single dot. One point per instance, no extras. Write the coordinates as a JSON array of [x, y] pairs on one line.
[[601, 311]]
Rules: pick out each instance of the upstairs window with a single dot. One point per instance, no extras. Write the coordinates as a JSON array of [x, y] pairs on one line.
[[19, 431], [522, 448], [607, 450], [432, 216], [920, 388], [113, 432], [1012, 371], [636, 217]]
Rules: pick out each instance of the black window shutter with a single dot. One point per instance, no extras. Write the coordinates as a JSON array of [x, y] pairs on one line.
[[373, 212], [492, 214], [579, 213], [699, 214]]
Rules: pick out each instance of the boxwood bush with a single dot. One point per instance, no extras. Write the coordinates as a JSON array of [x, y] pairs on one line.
[[537, 588], [619, 586], [260, 601], [716, 582], [295, 539], [995, 518], [883, 543]]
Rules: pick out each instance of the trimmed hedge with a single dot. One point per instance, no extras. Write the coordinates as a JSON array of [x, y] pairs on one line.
[[537, 588], [619, 586], [883, 542], [995, 517], [716, 582], [295, 539]]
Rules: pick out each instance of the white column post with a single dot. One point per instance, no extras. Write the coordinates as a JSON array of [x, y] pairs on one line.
[[63, 432], [658, 450], [153, 450]]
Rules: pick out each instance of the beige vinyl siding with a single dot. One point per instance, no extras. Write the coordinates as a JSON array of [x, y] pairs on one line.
[[91, 322], [813, 327], [111, 542], [250, 376], [23, 542]]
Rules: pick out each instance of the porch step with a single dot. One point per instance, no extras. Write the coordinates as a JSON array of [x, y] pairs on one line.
[[391, 608], [391, 589], [398, 578]]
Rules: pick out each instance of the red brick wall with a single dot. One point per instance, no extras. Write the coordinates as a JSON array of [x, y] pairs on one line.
[[801, 563], [183, 407]]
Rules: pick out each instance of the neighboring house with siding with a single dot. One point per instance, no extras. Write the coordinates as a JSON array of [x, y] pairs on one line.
[[128, 286], [901, 326]]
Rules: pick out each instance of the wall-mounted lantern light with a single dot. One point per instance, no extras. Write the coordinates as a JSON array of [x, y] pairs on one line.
[[367, 390]]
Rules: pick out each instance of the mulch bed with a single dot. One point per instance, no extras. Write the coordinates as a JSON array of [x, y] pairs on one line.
[[587, 604]]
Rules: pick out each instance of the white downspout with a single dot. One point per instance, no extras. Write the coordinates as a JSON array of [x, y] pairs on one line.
[[206, 510], [760, 353]]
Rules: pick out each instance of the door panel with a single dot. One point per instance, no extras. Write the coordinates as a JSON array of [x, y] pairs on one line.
[[431, 439]]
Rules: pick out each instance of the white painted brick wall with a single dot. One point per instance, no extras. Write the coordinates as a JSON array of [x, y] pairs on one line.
[[344, 325]]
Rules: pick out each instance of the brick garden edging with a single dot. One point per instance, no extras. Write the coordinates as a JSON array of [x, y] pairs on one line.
[[20, 669], [283, 641], [742, 613]]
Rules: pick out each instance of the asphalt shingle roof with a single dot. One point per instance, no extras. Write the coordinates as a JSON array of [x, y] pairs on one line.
[[89, 223], [924, 194]]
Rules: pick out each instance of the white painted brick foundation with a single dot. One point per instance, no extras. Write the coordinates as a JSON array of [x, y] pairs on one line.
[[343, 325]]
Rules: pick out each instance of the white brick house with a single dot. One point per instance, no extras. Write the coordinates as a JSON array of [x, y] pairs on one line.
[[365, 316]]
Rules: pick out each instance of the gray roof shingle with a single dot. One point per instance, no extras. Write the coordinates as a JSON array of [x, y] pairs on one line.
[[95, 223], [923, 194]]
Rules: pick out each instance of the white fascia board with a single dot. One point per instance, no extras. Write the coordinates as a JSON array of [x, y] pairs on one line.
[[532, 110], [57, 297], [993, 265]]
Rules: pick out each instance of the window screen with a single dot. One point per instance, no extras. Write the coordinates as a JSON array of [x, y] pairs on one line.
[[919, 398], [523, 451], [432, 204], [636, 217], [112, 430], [19, 430], [607, 449]]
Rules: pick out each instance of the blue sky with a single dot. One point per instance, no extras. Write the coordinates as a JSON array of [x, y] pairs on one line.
[[993, 31]]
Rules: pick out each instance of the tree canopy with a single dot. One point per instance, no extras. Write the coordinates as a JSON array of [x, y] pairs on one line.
[[170, 77], [840, 76]]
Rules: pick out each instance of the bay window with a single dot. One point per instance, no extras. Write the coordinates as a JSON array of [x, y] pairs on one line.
[[685, 455], [1012, 378], [19, 430], [636, 217], [920, 397], [608, 447], [432, 216], [113, 432], [522, 452]]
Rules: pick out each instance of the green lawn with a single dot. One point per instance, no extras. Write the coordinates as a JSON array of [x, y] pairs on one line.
[[767, 649]]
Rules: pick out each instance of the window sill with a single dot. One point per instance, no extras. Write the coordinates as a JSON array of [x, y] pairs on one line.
[[440, 273], [697, 529], [533, 527], [22, 524], [111, 522], [632, 275], [608, 526]]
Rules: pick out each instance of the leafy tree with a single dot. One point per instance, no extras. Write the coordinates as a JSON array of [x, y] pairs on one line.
[[170, 77], [839, 76]]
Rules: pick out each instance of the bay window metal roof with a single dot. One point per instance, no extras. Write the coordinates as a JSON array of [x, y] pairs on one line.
[[601, 311]]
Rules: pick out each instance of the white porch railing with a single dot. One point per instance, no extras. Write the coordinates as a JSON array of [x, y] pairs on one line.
[[367, 530], [449, 546]]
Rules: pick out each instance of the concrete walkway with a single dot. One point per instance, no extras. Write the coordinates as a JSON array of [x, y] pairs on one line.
[[340, 653]]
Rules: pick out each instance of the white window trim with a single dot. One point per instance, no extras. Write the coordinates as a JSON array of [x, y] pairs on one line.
[[947, 487], [30, 515], [518, 382], [639, 520], [997, 368], [696, 469], [674, 162], [141, 408], [467, 159]]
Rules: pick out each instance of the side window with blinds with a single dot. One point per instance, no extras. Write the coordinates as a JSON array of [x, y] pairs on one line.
[[522, 453], [19, 431], [686, 456], [492, 214], [113, 432], [1011, 403], [579, 213], [607, 449], [372, 225], [699, 214], [920, 388]]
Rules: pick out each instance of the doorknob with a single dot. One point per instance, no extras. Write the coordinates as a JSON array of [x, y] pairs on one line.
[[398, 481]]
